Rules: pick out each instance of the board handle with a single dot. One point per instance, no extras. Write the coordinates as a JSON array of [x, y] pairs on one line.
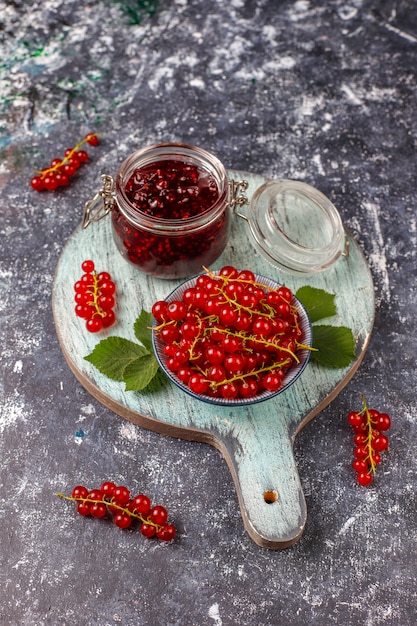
[[268, 486]]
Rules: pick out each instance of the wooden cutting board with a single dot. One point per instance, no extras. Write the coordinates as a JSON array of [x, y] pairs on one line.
[[256, 442]]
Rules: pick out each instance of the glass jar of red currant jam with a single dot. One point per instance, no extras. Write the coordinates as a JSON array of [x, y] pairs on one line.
[[171, 214]]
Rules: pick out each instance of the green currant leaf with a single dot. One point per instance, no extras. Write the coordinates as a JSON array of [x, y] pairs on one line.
[[112, 355], [335, 345], [143, 331], [317, 302], [139, 373]]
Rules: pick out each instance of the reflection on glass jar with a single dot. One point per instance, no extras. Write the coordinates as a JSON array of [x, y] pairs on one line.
[[295, 227], [171, 214]]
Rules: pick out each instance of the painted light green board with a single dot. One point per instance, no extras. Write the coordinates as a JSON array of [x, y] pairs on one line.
[[256, 441]]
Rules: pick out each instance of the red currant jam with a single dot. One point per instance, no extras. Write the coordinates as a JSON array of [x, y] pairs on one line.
[[173, 216], [171, 190]]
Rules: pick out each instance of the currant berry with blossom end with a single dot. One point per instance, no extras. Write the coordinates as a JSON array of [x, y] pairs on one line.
[[94, 298], [115, 500], [369, 440]]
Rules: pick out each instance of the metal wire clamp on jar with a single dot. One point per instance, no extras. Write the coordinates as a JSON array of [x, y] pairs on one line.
[[170, 247]]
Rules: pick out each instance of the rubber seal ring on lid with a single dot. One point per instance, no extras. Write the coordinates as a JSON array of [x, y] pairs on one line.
[[295, 227]]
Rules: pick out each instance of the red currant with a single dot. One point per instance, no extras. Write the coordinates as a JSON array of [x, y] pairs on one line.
[[121, 495], [94, 324], [95, 494], [107, 489], [361, 452], [108, 319], [166, 533], [229, 391], [248, 388], [79, 492], [229, 271], [88, 266], [141, 504], [246, 276], [115, 499], [360, 466], [176, 310], [92, 139], [98, 509], [122, 520], [148, 530], [37, 183], [285, 293], [272, 381], [50, 182], [92, 304], [158, 515], [355, 419], [62, 179], [107, 287], [82, 156], [198, 384], [169, 334], [83, 508], [383, 421], [234, 363], [364, 478], [380, 443], [159, 310]]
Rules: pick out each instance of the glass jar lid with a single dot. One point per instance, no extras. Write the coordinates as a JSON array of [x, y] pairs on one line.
[[295, 227]]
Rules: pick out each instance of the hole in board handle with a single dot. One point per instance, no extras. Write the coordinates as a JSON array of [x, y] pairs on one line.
[[270, 496]]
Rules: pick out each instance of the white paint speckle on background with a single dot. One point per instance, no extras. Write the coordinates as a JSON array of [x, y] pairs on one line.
[[18, 367], [377, 256], [128, 431], [214, 614]]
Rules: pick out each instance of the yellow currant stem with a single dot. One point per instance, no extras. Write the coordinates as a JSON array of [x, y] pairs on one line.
[[270, 310], [95, 294], [368, 443], [304, 346], [227, 279], [162, 325], [266, 343], [111, 504], [247, 375]]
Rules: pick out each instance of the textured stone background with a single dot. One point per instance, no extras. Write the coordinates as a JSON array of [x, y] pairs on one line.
[[324, 92]]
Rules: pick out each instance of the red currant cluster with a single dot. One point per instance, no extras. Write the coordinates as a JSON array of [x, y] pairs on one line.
[[230, 336], [369, 440], [60, 171], [94, 298], [116, 500]]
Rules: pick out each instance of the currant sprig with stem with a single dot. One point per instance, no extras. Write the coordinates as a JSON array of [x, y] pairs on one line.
[[269, 310], [94, 297], [230, 278], [112, 506], [60, 171], [246, 375], [116, 500], [369, 439], [69, 154]]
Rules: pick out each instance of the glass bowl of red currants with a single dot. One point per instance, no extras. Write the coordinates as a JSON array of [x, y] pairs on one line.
[[231, 337]]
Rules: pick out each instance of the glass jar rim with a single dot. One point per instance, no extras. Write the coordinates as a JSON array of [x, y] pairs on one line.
[[164, 151]]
